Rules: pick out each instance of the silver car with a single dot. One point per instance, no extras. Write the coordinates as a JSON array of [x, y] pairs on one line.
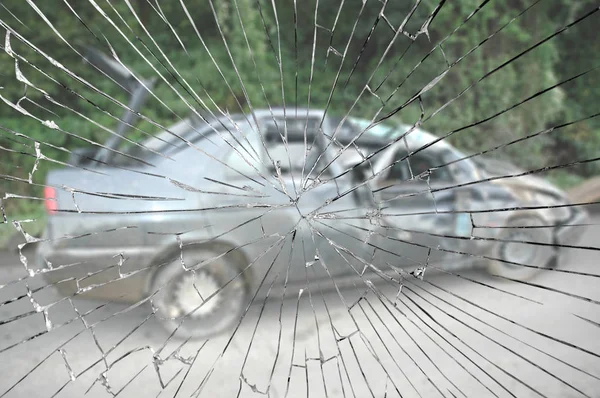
[[216, 210]]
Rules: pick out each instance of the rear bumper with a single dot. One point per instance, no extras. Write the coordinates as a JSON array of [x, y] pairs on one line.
[[570, 231]]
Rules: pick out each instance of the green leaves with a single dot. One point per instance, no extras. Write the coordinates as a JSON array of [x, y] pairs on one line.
[[206, 76]]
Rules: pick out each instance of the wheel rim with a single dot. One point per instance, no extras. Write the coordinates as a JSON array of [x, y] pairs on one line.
[[196, 294], [201, 303], [517, 252]]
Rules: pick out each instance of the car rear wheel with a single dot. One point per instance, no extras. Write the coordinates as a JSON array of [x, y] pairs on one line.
[[200, 300], [516, 254]]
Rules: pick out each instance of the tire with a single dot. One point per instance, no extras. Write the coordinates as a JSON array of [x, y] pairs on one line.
[[203, 300], [522, 261]]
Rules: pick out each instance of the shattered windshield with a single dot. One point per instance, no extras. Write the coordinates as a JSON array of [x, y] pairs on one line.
[[281, 198]]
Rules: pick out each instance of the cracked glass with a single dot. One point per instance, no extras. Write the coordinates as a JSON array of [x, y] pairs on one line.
[[326, 198]]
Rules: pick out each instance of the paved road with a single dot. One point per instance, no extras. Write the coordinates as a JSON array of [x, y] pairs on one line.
[[448, 336]]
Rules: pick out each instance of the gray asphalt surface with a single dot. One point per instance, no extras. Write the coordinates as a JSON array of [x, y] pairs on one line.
[[472, 335]]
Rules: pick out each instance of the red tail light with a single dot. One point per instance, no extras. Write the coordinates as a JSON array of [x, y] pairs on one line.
[[50, 200]]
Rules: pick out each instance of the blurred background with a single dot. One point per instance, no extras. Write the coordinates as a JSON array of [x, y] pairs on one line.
[[267, 44]]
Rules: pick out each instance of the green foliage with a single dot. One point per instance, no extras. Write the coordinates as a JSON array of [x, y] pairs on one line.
[[579, 52], [255, 58]]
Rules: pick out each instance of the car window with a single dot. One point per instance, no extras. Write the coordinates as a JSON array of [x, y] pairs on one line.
[[424, 166], [295, 154], [416, 166], [292, 158], [397, 171], [245, 156], [462, 169]]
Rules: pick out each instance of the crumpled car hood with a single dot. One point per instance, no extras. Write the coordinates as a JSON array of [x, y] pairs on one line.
[[490, 168], [531, 183]]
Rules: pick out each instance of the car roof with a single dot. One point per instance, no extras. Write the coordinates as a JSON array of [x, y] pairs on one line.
[[376, 136], [385, 133]]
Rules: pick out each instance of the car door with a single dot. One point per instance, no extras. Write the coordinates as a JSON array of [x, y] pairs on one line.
[[337, 203], [417, 215], [337, 230], [252, 207], [326, 248]]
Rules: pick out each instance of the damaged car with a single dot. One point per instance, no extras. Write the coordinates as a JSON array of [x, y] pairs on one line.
[[219, 208]]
